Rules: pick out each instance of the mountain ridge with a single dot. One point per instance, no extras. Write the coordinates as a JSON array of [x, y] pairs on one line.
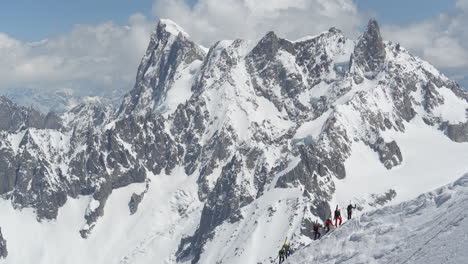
[[242, 125]]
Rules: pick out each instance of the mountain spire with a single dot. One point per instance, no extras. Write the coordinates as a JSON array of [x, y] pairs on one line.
[[169, 48], [369, 53]]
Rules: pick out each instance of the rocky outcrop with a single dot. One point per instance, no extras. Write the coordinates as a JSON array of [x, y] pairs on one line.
[[136, 199], [457, 132], [382, 199], [389, 153], [169, 48], [369, 54], [234, 196], [13, 117], [432, 98], [3, 246]]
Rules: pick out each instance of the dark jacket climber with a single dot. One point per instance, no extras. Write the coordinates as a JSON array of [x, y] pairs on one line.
[[350, 210], [281, 254], [328, 224], [316, 231], [287, 250], [338, 219]]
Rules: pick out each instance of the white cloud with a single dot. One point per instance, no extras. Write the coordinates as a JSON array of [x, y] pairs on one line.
[[93, 59], [212, 20], [462, 4], [102, 57], [442, 41]]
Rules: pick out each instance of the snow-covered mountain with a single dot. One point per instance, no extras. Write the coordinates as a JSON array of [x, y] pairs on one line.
[[217, 155], [60, 101], [432, 229]]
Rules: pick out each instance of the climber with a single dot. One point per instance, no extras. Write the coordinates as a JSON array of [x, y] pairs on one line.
[[316, 231], [338, 217], [281, 255], [328, 224], [291, 249], [287, 250], [350, 210]]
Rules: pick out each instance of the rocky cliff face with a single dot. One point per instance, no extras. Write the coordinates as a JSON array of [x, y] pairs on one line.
[[13, 117], [277, 121], [3, 247], [369, 54]]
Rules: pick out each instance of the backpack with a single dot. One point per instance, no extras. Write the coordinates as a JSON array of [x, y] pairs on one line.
[[337, 213]]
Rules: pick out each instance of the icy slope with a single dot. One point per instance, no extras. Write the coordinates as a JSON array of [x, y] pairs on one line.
[[430, 229]]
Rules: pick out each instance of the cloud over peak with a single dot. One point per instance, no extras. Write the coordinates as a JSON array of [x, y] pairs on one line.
[[87, 57], [104, 57], [442, 41], [209, 20]]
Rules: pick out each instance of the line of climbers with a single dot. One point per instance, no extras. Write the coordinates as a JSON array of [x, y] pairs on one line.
[[329, 222], [287, 250]]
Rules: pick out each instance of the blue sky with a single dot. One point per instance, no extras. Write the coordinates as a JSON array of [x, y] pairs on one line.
[[405, 11], [32, 20]]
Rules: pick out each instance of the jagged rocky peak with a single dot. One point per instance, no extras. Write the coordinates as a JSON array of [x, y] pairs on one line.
[[165, 31], [335, 30], [170, 51], [171, 27], [14, 117], [87, 116], [270, 44], [369, 53]]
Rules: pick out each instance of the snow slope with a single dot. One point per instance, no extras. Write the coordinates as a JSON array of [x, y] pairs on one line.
[[430, 161], [431, 229], [151, 235]]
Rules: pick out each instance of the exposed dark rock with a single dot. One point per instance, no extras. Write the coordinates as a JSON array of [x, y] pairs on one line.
[[401, 89], [389, 153], [3, 246], [307, 228], [134, 202], [458, 132], [432, 98], [8, 173], [92, 214], [382, 199], [216, 211], [165, 53], [14, 117], [369, 54], [136, 199]]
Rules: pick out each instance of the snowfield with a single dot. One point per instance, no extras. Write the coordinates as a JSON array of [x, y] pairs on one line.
[[430, 160], [431, 229], [149, 236]]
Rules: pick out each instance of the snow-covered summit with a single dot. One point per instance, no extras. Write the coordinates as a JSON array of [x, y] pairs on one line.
[[171, 27], [171, 57]]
